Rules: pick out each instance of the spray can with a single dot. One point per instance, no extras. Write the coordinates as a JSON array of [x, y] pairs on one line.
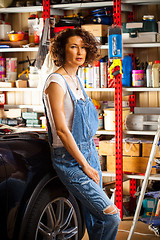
[[96, 74], [149, 74], [103, 73]]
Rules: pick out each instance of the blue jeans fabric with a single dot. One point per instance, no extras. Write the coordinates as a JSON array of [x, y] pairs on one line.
[[100, 225]]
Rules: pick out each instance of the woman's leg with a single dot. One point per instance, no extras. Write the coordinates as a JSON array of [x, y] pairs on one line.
[[104, 215]]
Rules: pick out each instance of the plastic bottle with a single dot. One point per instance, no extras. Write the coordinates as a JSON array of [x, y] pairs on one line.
[[149, 74], [155, 74]]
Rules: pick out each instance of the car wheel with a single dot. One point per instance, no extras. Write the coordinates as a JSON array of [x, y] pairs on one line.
[[55, 215]]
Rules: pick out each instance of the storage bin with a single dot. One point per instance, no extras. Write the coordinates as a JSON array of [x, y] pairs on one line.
[[109, 118]]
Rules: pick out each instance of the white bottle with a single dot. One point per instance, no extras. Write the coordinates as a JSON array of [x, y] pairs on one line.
[[149, 74]]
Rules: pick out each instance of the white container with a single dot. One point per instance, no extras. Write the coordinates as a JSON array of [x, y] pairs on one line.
[[33, 83], [33, 76], [33, 70], [4, 28], [142, 37], [109, 118], [11, 76]]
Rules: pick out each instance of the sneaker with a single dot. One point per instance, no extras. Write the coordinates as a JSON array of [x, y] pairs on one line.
[[155, 229]]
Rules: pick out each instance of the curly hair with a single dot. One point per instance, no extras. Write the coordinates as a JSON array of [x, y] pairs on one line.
[[57, 46]]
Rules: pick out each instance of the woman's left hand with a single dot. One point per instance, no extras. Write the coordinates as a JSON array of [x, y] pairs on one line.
[[92, 173]]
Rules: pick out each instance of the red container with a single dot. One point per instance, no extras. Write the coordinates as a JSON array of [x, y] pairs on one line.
[[59, 29]]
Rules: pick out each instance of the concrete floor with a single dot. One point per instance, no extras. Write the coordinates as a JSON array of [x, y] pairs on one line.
[[126, 225]]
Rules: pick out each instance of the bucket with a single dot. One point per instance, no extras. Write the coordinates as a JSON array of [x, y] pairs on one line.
[[137, 78], [109, 118]]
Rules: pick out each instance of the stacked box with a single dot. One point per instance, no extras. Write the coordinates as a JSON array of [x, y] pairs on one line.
[[32, 119], [146, 150], [130, 164], [100, 31], [129, 149], [134, 160]]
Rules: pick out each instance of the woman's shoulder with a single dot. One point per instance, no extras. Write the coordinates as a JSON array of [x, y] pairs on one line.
[[57, 78]]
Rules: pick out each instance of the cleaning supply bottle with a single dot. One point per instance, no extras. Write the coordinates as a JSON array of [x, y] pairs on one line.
[[155, 74], [149, 75]]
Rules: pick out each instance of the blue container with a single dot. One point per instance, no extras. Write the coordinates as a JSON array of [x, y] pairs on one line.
[[115, 43], [127, 67]]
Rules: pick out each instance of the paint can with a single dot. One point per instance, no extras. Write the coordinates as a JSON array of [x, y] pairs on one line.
[[11, 64], [11, 69], [2, 68], [137, 78]]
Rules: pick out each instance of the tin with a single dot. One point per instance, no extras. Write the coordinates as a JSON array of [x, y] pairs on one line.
[[11, 65], [137, 78], [2, 68]]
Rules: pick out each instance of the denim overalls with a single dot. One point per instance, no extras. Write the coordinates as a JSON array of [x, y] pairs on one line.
[[100, 226]]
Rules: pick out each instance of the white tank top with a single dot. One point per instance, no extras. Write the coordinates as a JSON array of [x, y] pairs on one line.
[[68, 104]]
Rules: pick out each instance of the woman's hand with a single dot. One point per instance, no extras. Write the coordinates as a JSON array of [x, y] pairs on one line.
[[92, 173]]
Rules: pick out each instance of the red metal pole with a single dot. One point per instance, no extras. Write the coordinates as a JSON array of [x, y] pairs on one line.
[[118, 121], [46, 9]]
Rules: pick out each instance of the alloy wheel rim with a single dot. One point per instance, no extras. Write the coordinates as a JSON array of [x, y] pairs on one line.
[[58, 221]]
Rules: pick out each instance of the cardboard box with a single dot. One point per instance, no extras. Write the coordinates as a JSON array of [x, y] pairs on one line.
[[129, 149], [146, 150], [130, 164], [98, 30], [10, 113]]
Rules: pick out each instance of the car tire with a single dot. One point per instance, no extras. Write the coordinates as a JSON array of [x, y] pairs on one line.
[[55, 215]]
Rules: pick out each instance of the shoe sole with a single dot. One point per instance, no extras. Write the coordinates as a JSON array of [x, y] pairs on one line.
[[151, 229]]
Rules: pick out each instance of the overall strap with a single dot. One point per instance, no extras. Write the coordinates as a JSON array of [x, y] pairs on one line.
[[85, 94]]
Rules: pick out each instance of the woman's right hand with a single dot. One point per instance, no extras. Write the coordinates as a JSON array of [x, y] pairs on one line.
[[92, 173]]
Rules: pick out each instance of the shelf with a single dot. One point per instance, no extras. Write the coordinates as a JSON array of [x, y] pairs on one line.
[[21, 9], [128, 132], [146, 133], [135, 45], [29, 129], [19, 89], [99, 89], [140, 89], [38, 107], [105, 132], [30, 49], [30, 9], [80, 5], [140, 2], [131, 176], [141, 45]]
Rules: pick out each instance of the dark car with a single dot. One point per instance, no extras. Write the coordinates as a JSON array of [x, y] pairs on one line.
[[34, 204]]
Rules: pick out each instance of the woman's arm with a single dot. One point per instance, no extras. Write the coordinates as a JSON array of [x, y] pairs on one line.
[[56, 98]]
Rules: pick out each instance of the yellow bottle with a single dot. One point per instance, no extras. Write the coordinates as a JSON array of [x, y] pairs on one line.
[[156, 74]]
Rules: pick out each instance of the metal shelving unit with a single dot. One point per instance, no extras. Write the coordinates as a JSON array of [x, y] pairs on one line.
[[30, 49], [57, 11], [132, 176]]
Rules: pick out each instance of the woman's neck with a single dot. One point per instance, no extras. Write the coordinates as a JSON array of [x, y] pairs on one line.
[[70, 69]]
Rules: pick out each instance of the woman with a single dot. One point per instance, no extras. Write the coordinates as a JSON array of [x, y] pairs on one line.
[[72, 121]]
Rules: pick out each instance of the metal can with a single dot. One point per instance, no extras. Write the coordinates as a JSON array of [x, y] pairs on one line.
[[2, 68]]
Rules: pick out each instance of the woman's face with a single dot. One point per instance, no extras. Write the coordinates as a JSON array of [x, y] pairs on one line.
[[75, 51]]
